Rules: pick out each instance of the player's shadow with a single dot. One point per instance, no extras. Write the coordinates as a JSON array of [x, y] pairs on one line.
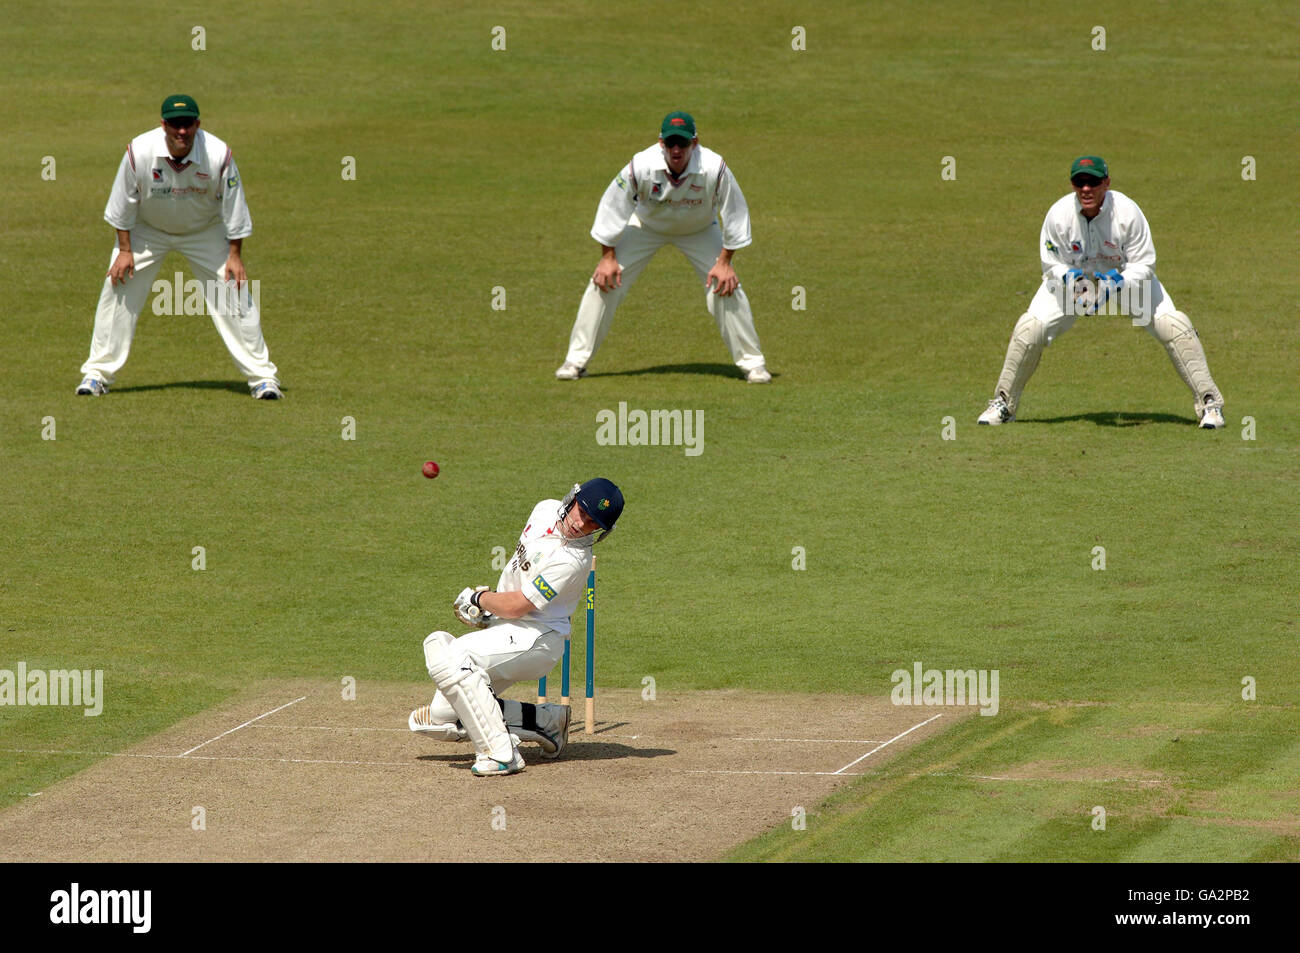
[[576, 750], [1113, 419], [233, 386], [714, 370]]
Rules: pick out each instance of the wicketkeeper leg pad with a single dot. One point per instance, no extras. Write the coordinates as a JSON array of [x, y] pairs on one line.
[[1174, 330], [1028, 339]]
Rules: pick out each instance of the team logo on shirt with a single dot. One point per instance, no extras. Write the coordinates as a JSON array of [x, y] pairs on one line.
[[1110, 244], [657, 189], [157, 175], [1075, 246], [697, 188], [544, 587]]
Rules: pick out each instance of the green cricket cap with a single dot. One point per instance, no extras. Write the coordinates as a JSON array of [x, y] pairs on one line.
[[176, 107], [678, 124], [1094, 166]]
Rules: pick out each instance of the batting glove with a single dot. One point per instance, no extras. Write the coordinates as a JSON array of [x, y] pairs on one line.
[[469, 611]]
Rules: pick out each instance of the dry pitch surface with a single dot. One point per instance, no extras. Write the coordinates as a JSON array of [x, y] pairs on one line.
[[291, 771]]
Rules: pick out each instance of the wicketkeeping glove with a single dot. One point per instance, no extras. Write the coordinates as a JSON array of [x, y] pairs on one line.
[[467, 609], [1081, 291], [1108, 283]]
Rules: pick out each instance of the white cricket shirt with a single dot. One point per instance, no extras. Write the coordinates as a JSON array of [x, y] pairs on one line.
[[549, 570], [150, 189], [1117, 237], [706, 192]]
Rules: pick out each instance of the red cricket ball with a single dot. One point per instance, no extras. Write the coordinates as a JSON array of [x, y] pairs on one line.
[[431, 469]]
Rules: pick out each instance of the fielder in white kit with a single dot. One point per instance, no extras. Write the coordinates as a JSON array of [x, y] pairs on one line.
[[178, 189], [1098, 228], [521, 631], [674, 193]]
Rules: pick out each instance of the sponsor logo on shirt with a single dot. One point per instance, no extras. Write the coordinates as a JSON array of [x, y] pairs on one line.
[[521, 558], [1110, 244], [201, 175], [168, 190], [697, 188], [232, 182], [544, 587], [618, 180], [1050, 246]]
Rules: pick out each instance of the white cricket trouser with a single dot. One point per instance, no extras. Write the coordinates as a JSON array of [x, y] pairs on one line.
[[238, 322], [634, 250], [509, 651]]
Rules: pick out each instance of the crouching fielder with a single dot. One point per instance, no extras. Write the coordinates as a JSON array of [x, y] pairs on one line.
[[521, 630], [1098, 257]]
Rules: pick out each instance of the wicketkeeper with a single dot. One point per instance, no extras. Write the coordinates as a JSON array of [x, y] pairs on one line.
[[520, 631], [1097, 253]]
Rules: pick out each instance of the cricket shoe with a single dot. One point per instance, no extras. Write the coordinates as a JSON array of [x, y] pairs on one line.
[[1212, 418], [488, 767], [759, 375], [996, 413], [92, 387], [568, 371], [267, 390], [553, 729]]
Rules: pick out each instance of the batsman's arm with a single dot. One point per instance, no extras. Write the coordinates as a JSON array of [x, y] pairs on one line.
[[504, 605]]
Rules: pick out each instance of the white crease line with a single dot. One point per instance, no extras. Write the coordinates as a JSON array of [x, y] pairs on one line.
[[817, 774], [332, 728], [237, 727], [889, 742], [208, 757], [818, 741]]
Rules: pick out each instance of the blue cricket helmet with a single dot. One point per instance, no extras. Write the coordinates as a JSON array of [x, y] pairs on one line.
[[602, 501]]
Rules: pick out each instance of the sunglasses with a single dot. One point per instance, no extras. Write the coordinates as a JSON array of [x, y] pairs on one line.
[[181, 122], [673, 141], [1079, 181]]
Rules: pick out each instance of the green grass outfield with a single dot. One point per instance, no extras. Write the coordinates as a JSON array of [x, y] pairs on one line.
[[477, 169]]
